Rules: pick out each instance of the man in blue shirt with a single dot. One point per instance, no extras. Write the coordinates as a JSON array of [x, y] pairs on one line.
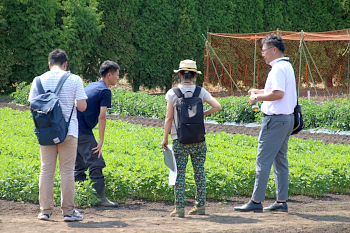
[[89, 152]]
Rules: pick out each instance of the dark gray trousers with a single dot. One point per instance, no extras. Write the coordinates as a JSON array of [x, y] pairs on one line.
[[272, 150], [87, 160]]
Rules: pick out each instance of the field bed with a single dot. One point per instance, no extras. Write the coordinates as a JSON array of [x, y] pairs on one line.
[[329, 213], [216, 128]]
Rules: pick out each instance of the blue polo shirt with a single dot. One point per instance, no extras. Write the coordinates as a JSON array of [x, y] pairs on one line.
[[98, 95]]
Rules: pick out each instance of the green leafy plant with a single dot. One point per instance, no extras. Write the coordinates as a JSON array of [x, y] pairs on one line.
[[135, 166], [20, 96], [333, 114], [85, 195]]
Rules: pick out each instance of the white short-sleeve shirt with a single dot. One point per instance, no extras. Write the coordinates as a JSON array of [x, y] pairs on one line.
[[72, 90], [281, 78], [188, 91]]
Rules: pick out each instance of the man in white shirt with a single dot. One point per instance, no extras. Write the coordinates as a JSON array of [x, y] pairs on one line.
[[280, 98], [71, 91]]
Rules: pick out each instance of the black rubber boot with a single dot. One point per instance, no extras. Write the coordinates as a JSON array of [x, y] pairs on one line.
[[99, 186]]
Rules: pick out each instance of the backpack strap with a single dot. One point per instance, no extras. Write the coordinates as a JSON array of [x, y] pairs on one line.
[[61, 82], [59, 86], [178, 92], [197, 91], [295, 85], [39, 85], [284, 60]]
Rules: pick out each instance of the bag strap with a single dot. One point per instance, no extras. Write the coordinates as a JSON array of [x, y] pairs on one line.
[[39, 85], [178, 92], [70, 117], [61, 82], [295, 85], [197, 91], [58, 88]]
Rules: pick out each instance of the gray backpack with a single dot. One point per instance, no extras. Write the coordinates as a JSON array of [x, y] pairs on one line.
[[51, 127]]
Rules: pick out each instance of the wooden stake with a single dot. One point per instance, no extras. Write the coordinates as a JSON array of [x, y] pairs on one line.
[[257, 78], [336, 87]]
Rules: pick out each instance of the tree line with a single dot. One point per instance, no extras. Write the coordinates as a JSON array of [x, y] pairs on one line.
[[147, 38]]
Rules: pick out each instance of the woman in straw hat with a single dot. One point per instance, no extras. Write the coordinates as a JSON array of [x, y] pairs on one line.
[[187, 73]]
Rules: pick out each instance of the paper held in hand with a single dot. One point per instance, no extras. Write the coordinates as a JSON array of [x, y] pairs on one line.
[[170, 162]]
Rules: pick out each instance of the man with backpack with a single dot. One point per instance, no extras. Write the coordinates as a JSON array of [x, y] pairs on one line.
[[71, 91], [185, 119], [89, 152]]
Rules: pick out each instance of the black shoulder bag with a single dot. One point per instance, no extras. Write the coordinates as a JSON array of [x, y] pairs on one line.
[[298, 117]]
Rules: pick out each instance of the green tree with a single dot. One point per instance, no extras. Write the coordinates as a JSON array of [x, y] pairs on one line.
[[27, 36], [188, 40], [7, 59], [345, 13], [80, 31], [116, 41], [273, 15], [217, 16], [155, 30], [148, 38], [306, 15], [31, 29]]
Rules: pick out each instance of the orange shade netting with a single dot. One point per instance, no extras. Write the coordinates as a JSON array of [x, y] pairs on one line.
[[288, 35], [233, 62]]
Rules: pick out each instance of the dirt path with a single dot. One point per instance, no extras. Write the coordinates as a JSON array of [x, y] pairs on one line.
[[306, 214]]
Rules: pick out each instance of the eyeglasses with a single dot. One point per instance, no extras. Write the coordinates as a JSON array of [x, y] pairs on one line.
[[264, 51]]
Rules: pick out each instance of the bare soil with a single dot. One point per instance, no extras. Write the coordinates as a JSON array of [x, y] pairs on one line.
[[306, 214]]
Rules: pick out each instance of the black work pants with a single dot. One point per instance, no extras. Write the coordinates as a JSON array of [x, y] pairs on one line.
[[87, 160]]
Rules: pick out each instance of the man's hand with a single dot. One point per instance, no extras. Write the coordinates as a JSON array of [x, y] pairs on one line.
[[252, 100], [98, 149], [101, 130], [256, 91]]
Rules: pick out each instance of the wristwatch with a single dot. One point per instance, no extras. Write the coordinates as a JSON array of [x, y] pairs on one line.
[[256, 99]]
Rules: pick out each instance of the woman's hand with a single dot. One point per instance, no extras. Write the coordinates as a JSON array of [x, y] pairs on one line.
[[169, 117], [164, 143], [215, 106]]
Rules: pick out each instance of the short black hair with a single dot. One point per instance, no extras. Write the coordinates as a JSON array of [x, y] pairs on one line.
[[58, 57], [274, 40], [108, 67]]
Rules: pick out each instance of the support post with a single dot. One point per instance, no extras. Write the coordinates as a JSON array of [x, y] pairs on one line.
[[254, 61], [336, 87]]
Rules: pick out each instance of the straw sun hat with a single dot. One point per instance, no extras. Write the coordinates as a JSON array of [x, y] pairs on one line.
[[188, 65]]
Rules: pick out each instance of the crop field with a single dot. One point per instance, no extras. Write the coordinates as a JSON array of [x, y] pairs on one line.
[[135, 167], [331, 114], [137, 179]]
